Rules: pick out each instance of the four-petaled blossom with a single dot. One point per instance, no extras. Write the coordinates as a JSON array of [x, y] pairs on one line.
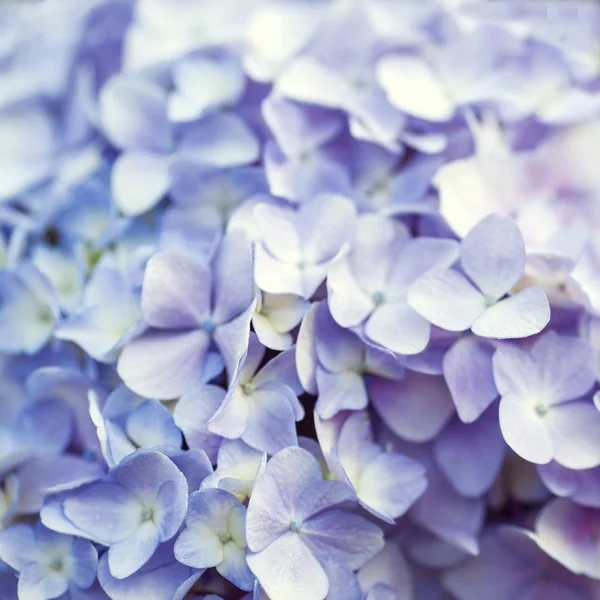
[[214, 536], [299, 529], [492, 255]]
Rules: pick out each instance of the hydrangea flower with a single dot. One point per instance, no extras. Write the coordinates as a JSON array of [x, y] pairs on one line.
[[544, 414], [49, 564], [141, 503], [492, 255], [214, 536], [368, 287], [297, 528], [202, 303], [297, 246]]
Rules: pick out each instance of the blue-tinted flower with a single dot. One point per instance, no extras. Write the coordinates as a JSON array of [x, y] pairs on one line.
[[190, 303], [214, 536], [544, 414], [297, 528], [368, 287], [141, 503], [49, 564], [261, 407], [493, 257], [297, 246]]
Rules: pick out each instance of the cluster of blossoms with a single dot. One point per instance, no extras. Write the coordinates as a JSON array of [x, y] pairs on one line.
[[299, 300]]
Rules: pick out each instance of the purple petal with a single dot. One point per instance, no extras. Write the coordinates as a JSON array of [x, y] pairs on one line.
[[574, 428], [348, 302], [446, 299], [399, 328], [569, 534], [416, 408], [493, 255], [339, 391], [234, 284], [163, 364], [470, 378], [127, 556], [133, 113], [220, 140], [524, 314], [192, 413], [524, 430], [105, 512], [176, 292], [342, 537], [139, 180], [324, 224], [471, 455], [568, 364], [287, 568], [582, 486]]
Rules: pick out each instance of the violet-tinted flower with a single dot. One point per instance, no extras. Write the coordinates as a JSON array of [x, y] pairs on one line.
[[161, 577], [141, 503], [109, 318], [543, 412], [189, 303], [214, 536], [261, 407], [368, 287], [386, 483], [297, 246], [132, 422], [296, 522], [28, 310], [49, 564], [493, 257], [133, 113]]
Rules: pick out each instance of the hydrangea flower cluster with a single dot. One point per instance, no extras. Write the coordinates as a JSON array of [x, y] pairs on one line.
[[299, 300]]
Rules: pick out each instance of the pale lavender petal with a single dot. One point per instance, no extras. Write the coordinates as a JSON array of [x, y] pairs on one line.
[[471, 455], [139, 180], [192, 413], [399, 328], [469, 374], [416, 408], [339, 391], [324, 224], [569, 533], [349, 304], [524, 430], [338, 349], [446, 299], [235, 568], [164, 364], [582, 486], [306, 351], [574, 428], [176, 293], [278, 229], [233, 277], [524, 314], [343, 537], [567, 364], [276, 277], [493, 255], [127, 556], [288, 569]]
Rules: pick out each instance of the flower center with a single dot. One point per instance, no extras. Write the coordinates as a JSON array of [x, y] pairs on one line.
[[295, 526], [378, 298], [225, 537], [248, 388], [541, 409], [147, 515], [56, 564], [208, 326]]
